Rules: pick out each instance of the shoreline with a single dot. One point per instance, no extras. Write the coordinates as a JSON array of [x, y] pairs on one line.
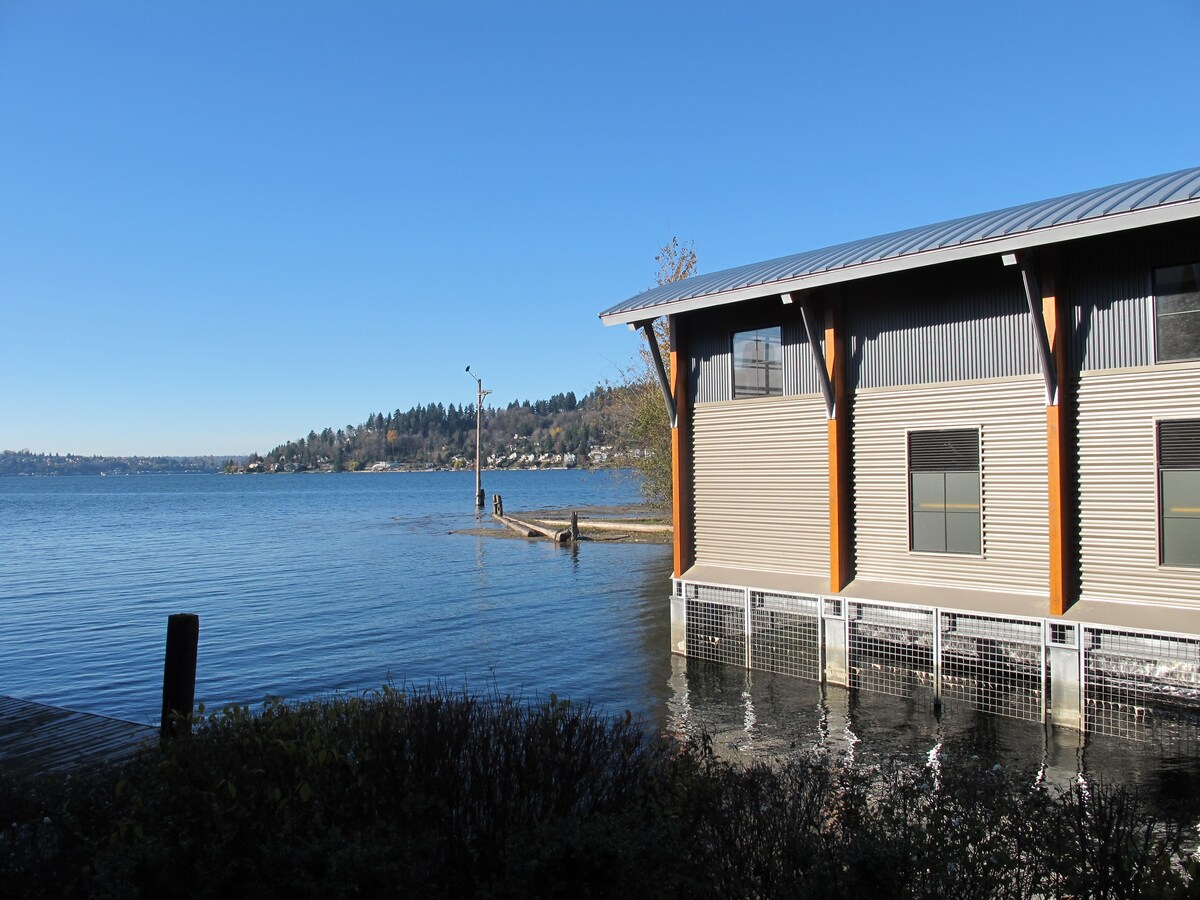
[[403, 471], [393, 471], [597, 524]]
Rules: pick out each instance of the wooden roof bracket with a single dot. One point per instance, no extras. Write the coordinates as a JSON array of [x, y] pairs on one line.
[[660, 370], [1033, 296], [813, 329]]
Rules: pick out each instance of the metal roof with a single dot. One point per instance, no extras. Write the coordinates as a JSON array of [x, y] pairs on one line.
[[1134, 204]]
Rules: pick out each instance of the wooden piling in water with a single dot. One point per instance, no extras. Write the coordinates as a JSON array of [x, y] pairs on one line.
[[179, 674]]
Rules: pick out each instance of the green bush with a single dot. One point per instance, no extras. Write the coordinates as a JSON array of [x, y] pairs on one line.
[[441, 794]]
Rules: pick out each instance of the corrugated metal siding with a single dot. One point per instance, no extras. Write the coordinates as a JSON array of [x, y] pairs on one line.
[[971, 322], [1145, 193], [762, 484], [710, 351], [1011, 415], [799, 369], [1118, 483], [1113, 323]]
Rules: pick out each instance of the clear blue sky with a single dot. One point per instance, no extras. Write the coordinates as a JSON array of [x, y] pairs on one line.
[[223, 224]]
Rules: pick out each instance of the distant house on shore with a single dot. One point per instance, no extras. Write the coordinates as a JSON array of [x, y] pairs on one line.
[[962, 459]]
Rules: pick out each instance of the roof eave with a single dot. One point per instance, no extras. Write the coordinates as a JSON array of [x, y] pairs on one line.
[[1124, 221]]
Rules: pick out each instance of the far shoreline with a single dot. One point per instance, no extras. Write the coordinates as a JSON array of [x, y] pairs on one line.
[[368, 471]]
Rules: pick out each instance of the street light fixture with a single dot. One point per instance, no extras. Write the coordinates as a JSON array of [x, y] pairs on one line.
[[478, 432]]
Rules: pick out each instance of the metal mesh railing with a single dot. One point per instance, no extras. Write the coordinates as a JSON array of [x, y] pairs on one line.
[[785, 634], [1064, 635], [994, 664], [1136, 685], [1141, 686], [890, 648], [713, 593], [716, 624]]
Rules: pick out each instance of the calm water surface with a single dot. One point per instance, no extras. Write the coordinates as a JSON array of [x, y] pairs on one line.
[[311, 584], [307, 585]]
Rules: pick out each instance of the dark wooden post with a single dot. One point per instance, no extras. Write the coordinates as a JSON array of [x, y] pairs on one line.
[[574, 525], [497, 504], [179, 674]]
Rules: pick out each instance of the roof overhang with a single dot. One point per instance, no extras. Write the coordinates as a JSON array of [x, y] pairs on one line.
[[1025, 240]]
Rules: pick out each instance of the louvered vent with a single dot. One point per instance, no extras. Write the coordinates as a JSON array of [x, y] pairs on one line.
[[1179, 444], [951, 450]]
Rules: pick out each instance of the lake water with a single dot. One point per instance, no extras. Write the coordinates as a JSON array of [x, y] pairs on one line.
[[310, 584], [307, 584]]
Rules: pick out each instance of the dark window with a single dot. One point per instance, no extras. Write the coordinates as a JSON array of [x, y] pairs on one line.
[[758, 362], [1179, 492], [943, 490], [1177, 311]]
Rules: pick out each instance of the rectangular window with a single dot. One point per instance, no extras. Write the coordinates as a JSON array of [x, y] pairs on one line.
[[943, 490], [1177, 312], [1179, 492], [758, 363]]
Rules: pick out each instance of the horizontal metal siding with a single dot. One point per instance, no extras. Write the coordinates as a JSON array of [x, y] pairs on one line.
[[711, 353], [929, 328], [1118, 483], [1011, 417], [761, 481]]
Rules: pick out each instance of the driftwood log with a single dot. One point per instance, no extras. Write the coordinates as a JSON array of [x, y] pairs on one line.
[[610, 525], [528, 529], [519, 527]]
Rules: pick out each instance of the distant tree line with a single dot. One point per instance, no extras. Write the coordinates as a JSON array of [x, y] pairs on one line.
[[560, 431], [24, 462]]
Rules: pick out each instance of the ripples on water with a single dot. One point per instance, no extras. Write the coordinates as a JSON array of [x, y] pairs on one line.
[[307, 585], [757, 715], [311, 584]]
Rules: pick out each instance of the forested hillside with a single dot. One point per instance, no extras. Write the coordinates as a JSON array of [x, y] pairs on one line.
[[561, 431], [23, 462]]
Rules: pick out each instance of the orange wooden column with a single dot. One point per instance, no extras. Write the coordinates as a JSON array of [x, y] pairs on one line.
[[1055, 315], [681, 457], [841, 535]]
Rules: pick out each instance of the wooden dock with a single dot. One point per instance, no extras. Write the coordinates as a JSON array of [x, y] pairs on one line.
[[36, 739]]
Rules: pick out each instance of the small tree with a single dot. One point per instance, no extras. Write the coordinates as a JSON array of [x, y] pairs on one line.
[[675, 261], [639, 417]]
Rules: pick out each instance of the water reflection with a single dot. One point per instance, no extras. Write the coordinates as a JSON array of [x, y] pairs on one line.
[[757, 715]]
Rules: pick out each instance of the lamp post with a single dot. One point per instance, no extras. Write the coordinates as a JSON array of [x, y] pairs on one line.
[[478, 432]]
